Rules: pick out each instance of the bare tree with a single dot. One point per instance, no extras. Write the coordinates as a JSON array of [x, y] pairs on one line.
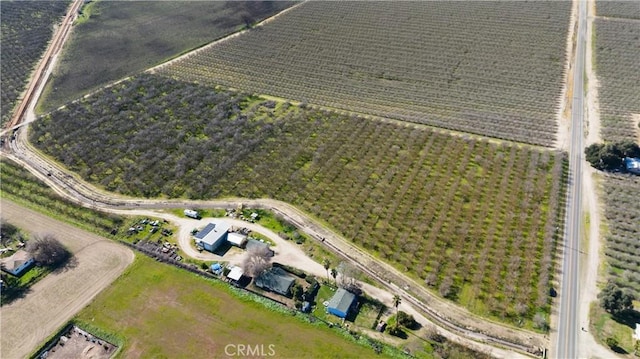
[[348, 277], [48, 251], [256, 261]]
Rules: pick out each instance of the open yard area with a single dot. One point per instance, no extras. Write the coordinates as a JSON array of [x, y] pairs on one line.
[[491, 68], [60, 295], [200, 318], [476, 221]]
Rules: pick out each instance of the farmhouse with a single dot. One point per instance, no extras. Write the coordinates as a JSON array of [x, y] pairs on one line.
[[341, 303], [632, 165], [275, 280], [18, 263], [212, 235], [237, 239]]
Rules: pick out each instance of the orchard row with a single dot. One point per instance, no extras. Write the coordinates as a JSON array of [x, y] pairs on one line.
[[491, 68], [26, 28]]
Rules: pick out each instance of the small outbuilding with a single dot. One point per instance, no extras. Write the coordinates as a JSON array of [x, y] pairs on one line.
[[306, 307], [216, 268], [17, 263], [275, 280], [341, 303], [235, 273], [212, 236], [632, 165], [237, 239]]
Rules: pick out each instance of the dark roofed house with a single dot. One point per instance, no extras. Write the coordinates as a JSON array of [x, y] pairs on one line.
[[341, 303], [275, 280], [18, 263]]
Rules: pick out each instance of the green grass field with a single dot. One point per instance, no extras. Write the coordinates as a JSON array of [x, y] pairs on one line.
[[112, 40], [199, 318], [603, 326]]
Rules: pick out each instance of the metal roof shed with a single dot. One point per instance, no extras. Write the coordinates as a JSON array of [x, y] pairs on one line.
[[341, 303]]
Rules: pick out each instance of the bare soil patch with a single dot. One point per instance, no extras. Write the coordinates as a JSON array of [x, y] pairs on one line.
[[58, 297], [77, 343]]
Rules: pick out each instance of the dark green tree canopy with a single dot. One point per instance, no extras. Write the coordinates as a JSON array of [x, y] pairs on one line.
[[609, 156], [614, 300], [48, 251]]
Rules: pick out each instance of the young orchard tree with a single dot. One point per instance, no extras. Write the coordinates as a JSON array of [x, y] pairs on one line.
[[48, 251]]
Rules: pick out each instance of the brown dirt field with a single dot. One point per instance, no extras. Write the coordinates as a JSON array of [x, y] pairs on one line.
[[27, 322]]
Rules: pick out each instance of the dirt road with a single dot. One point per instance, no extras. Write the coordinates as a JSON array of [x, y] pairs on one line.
[[27, 322]]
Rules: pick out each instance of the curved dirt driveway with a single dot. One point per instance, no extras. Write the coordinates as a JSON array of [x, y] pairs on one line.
[[27, 322]]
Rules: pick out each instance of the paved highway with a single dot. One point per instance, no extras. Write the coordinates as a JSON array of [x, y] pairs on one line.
[[567, 335]]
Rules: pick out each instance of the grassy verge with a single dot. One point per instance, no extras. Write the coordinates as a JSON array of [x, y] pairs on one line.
[[604, 325]]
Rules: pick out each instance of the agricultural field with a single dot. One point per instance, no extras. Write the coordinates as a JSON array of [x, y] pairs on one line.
[[489, 68], [617, 50], [112, 40], [623, 219], [477, 221], [25, 31], [190, 309], [619, 9], [56, 298]]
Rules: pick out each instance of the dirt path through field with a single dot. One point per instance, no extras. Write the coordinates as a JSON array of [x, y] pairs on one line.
[[27, 322]]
